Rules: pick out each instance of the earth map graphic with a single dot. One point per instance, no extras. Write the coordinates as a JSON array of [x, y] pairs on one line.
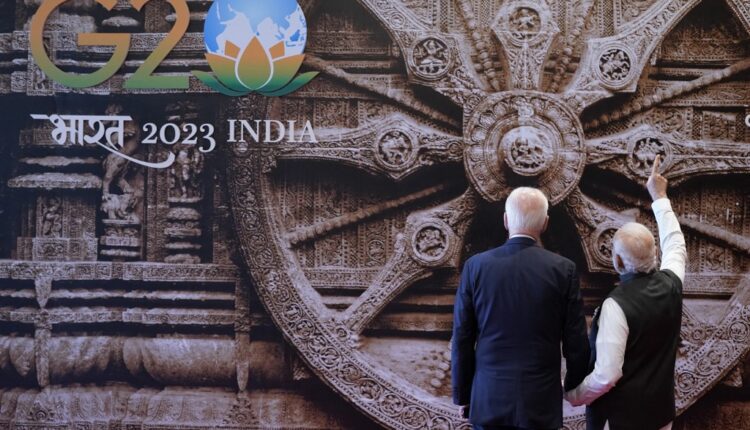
[[271, 21]]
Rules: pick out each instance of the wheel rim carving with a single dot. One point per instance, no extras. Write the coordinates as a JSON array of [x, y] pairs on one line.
[[508, 138]]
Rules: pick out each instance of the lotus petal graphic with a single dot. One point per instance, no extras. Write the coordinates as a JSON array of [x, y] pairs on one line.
[[270, 73]]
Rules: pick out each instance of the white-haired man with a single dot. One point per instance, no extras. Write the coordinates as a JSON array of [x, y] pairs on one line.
[[636, 335], [514, 306]]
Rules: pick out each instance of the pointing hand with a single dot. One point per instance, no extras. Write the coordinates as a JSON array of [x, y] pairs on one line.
[[657, 184]]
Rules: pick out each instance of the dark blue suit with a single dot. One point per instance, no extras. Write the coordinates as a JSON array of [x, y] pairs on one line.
[[514, 307]]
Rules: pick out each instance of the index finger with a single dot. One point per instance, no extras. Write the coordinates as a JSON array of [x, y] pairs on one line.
[[657, 163]]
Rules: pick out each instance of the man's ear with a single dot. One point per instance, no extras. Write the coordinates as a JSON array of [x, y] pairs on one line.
[[546, 224], [505, 220], [618, 263]]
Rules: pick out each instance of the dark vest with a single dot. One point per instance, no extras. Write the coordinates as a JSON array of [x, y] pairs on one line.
[[644, 398]]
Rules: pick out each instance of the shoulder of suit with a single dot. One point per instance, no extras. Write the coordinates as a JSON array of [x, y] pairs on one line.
[[473, 259], [558, 259]]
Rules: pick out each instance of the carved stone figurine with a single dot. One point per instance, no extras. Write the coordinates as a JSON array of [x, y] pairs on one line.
[[120, 206], [184, 177], [116, 169], [52, 217]]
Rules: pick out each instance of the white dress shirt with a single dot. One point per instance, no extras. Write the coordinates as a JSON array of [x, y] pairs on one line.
[[523, 235], [613, 326]]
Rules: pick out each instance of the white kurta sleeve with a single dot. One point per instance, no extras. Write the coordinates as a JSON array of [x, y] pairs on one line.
[[673, 248], [610, 355]]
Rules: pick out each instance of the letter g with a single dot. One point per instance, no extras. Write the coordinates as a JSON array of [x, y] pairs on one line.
[[120, 41]]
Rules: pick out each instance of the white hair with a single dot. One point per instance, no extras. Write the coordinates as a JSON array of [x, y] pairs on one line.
[[636, 247], [526, 210]]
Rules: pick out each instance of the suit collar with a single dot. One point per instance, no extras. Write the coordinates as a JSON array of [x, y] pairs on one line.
[[521, 240]]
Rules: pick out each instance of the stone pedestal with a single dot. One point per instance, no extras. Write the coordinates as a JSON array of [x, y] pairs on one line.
[[121, 239], [183, 231]]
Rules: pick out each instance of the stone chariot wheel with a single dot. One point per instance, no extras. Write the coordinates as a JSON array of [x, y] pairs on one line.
[[427, 115]]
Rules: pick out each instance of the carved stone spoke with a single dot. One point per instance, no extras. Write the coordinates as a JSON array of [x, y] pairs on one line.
[[632, 153], [404, 99], [719, 354], [432, 239], [716, 234], [741, 9], [596, 225], [395, 147], [434, 59], [526, 30], [614, 64]]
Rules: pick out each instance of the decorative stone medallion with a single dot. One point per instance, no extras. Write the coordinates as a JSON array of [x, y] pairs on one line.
[[431, 58], [395, 150], [528, 150], [604, 237], [525, 23], [524, 138], [642, 151], [431, 242], [616, 66]]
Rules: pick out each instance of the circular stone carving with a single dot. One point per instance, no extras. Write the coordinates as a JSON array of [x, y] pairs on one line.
[[524, 138], [524, 23], [395, 150], [615, 66], [430, 58], [642, 152], [528, 150], [604, 236], [430, 243]]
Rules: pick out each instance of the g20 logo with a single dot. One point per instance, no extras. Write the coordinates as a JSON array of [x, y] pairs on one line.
[[253, 46]]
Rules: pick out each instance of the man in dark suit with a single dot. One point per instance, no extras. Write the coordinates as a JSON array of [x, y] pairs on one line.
[[515, 305]]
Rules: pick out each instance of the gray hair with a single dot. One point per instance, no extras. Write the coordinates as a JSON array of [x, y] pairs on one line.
[[636, 247], [526, 210]]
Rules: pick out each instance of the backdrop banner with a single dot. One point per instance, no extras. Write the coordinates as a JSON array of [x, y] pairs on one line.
[[241, 214]]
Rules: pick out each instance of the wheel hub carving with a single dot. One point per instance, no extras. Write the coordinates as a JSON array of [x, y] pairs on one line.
[[524, 137]]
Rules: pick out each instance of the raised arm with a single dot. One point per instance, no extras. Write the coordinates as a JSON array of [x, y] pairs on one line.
[[673, 249]]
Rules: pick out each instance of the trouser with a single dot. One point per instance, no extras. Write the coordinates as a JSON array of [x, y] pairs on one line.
[[600, 423]]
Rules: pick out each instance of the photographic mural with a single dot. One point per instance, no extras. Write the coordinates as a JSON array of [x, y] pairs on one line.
[[272, 238]]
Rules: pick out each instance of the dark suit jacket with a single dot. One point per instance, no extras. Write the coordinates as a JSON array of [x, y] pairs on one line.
[[514, 307]]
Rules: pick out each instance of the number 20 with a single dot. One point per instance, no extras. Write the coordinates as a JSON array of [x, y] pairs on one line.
[[142, 78]]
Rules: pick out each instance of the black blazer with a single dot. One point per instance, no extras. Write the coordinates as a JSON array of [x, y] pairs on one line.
[[515, 305]]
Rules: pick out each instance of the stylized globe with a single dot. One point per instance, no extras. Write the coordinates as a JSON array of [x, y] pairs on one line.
[[271, 21]]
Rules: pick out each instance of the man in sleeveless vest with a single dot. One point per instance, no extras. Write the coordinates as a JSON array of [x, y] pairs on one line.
[[515, 305], [636, 335]]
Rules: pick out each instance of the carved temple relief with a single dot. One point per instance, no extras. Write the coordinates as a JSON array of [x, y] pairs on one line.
[[58, 213], [122, 199], [526, 30], [184, 229]]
